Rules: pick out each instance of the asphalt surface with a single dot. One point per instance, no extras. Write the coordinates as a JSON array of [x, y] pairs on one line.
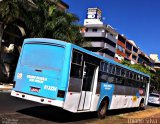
[[14, 110]]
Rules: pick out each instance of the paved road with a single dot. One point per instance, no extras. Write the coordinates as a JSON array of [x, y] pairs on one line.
[[17, 110]]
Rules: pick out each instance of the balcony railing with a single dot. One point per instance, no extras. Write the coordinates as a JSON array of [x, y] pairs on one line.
[[94, 34], [110, 37]]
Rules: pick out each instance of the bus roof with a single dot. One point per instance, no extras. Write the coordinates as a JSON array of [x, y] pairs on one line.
[[55, 41]]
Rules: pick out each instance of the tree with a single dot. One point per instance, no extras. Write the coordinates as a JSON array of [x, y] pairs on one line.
[[9, 12], [155, 77], [156, 81], [43, 19], [47, 21], [138, 67]]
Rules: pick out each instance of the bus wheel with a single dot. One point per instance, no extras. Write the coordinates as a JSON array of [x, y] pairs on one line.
[[141, 105], [102, 109]]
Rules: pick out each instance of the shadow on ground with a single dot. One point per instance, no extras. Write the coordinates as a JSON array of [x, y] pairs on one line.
[[56, 114], [153, 105]]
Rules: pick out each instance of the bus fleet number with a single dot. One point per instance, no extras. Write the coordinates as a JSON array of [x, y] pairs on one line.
[[51, 88]]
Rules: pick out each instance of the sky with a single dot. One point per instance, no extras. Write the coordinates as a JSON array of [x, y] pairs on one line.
[[138, 20]]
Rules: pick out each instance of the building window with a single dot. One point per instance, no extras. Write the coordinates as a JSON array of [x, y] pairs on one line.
[[94, 30], [129, 46], [135, 50], [123, 40], [134, 57], [120, 48], [128, 54]]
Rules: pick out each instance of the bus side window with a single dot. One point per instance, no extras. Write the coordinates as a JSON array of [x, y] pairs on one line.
[[138, 77], [111, 78], [135, 76], [103, 77], [131, 75], [141, 78], [110, 68], [118, 71], [101, 66], [123, 73], [77, 58], [142, 85], [127, 74], [76, 66], [113, 70]]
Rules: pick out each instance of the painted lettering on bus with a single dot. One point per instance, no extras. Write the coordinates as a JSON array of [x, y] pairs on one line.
[[51, 88], [36, 79], [107, 86]]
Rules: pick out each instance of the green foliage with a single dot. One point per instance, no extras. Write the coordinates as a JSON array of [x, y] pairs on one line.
[[156, 81], [47, 21], [138, 67], [9, 10], [155, 77], [42, 21]]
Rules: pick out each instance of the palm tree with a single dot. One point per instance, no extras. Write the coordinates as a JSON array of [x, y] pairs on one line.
[[43, 20], [9, 12], [47, 21]]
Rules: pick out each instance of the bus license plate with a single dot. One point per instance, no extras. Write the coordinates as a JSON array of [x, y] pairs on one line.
[[35, 89]]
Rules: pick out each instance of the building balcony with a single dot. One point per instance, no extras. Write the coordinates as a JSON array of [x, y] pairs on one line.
[[103, 45], [106, 53], [121, 38], [128, 50], [111, 37], [152, 69], [111, 48], [97, 44], [121, 44], [117, 60], [94, 34], [108, 56], [134, 53], [129, 57], [134, 61], [120, 53], [157, 68]]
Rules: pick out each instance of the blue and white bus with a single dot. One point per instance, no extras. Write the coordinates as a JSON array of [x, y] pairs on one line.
[[65, 75]]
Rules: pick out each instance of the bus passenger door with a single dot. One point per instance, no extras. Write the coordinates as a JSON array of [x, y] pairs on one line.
[[87, 86]]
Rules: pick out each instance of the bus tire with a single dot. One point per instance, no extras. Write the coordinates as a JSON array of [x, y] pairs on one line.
[[102, 109], [141, 105]]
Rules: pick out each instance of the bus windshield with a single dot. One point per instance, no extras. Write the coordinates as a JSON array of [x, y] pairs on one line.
[[43, 56]]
